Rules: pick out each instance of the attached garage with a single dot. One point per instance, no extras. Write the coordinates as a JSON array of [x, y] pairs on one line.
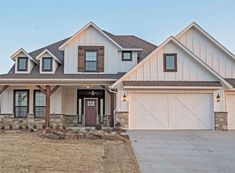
[[230, 104], [171, 111]]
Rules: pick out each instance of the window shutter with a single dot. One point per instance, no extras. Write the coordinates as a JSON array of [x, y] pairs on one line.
[[101, 59], [81, 59]]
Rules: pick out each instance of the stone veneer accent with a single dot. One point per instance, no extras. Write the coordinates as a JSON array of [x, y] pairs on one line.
[[107, 121], [56, 119], [122, 118], [221, 121]]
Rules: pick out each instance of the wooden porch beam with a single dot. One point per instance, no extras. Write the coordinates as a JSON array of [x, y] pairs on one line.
[[54, 89], [41, 89], [106, 89], [3, 88]]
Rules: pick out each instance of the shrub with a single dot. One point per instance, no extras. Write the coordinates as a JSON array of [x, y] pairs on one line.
[[118, 124], [57, 127], [43, 126], [20, 127], [34, 126], [10, 127], [26, 126]]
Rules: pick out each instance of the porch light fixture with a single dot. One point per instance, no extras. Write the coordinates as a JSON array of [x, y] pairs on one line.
[[124, 97], [218, 98]]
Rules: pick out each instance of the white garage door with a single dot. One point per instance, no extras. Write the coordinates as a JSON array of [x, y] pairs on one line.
[[171, 111], [230, 103]]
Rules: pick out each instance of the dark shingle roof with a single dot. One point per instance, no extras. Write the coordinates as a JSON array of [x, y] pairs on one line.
[[172, 83], [124, 41], [53, 48], [131, 41], [231, 81], [59, 74]]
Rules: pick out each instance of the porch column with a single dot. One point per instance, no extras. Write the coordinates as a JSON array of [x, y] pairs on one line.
[[48, 106], [112, 95], [112, 103], [48, 92]]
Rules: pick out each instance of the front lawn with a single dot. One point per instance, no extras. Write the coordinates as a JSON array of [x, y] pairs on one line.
[[27, 152]]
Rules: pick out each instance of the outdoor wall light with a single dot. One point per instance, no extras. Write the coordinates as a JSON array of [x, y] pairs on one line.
[[124, 97], [218, 98]]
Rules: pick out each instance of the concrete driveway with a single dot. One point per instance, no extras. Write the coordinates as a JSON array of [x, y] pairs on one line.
[[184, 151]]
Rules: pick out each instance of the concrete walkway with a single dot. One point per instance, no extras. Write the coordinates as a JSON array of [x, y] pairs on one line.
[[184, 151]]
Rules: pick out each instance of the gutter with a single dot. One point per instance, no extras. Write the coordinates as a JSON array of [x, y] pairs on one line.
[[115, 110]]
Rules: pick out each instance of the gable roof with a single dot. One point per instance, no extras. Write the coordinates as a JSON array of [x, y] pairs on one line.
[[21, 50], [131, 42], [84, 28], [53, 48], [47, 51], [171, 38], [207, 35]]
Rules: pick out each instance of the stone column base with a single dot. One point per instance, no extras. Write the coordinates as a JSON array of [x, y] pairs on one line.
[[221, 121], [122, 119]]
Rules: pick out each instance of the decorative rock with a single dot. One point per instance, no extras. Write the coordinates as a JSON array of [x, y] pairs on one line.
[[52, 136]]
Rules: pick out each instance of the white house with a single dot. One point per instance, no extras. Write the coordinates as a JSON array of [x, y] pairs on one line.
[[95, 78]]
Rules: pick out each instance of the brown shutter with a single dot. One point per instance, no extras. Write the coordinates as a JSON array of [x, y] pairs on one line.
[[81, 59], [101, 59]]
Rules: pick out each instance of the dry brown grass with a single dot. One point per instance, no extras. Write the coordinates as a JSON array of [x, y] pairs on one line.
[[26, 152]]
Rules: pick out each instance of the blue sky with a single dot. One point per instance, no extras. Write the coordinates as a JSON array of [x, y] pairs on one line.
[[34, 24]]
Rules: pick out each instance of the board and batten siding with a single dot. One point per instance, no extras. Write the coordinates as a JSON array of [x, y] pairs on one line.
[[8, 96], [188, 69], [112, 55], [69, 101], [210, 53]]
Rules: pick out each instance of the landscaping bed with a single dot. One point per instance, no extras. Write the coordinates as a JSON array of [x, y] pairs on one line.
[[95, 152]]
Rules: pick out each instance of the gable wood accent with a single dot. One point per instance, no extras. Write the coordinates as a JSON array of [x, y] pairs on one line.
[[18, 65], [81, 59], [14, 103], [82, 55], [100, 59], [175, 62], [43, 68]]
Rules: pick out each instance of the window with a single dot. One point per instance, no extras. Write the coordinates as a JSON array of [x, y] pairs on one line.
[[47, 64], [21, 107], [126, 56], [91, 60], [39, 104], [22, 64], [170, 62]]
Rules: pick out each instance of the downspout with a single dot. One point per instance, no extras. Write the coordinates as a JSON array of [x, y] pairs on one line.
[[115, 110]]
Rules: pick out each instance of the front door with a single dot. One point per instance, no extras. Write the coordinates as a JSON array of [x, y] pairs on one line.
[[90, 111]]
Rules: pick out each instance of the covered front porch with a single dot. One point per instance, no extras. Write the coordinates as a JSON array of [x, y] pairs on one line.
[[65, 105]]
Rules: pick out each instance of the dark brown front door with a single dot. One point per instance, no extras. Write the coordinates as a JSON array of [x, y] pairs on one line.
[[90, 112]]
